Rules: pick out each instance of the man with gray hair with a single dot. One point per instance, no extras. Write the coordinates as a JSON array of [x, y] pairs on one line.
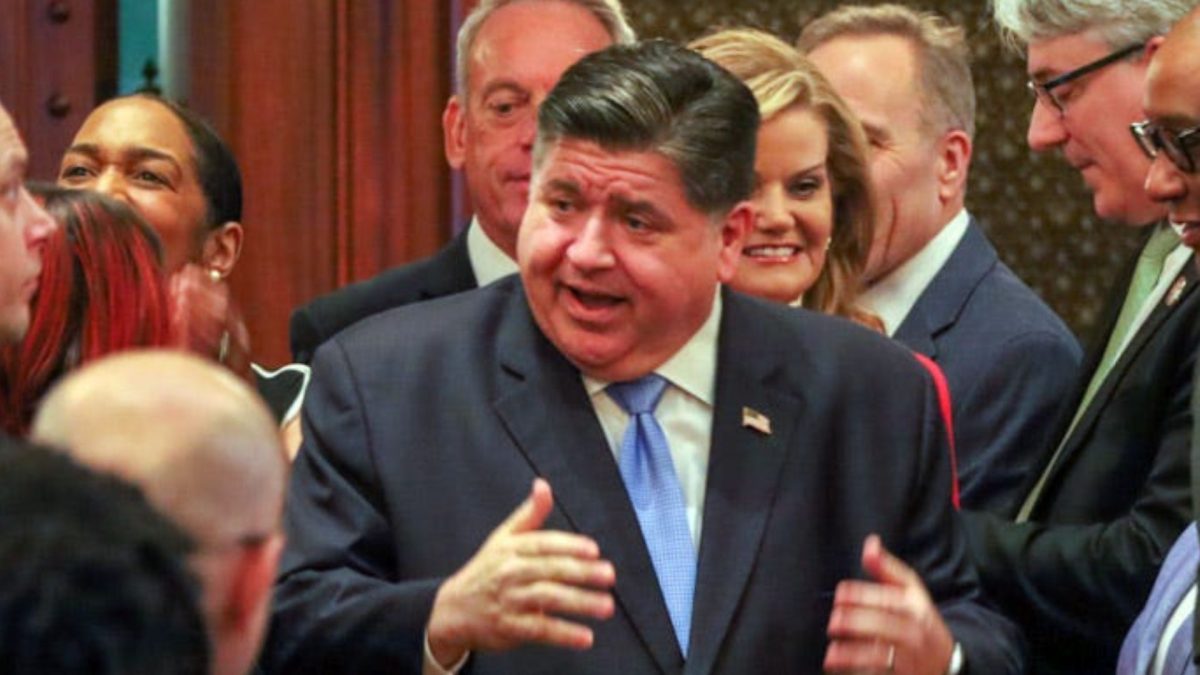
[[205, 451], [509, 55], [932, 275], [711, 494], [1114, 492], [24, 229]]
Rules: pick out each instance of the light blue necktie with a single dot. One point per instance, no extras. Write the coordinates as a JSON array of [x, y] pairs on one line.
[[653, 487]]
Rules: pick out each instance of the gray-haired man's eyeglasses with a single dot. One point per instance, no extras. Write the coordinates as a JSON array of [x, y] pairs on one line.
[[1044, 91]]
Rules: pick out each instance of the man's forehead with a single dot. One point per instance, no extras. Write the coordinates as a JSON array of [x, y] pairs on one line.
[[12, 150], [589, 166], [1173, 84], [512, 43], [1052, 56]]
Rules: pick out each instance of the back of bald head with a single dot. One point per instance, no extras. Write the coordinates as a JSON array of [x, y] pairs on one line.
[[199, 441]]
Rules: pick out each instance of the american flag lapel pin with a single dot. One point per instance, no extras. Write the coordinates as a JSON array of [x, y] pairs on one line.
[[757, 421], [1176, 291]]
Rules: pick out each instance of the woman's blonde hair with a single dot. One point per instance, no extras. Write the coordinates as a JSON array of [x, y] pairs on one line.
[[782, 78]]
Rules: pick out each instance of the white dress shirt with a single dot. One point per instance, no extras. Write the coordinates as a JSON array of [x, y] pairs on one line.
[[685, 413], [488, 261], [892, 297]]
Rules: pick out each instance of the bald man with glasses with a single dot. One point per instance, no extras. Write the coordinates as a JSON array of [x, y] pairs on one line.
[[1096, 520], [1163, 638]]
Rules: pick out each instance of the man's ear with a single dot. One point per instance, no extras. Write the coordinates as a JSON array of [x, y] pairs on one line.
[[733, 234], [250, 588], [454, 131], [1151, 48], [954, 162], [222, 248]]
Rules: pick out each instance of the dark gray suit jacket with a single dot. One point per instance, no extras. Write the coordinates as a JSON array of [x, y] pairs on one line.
[[446, 272], [1010, 363], [425, 426], [1077, 575]]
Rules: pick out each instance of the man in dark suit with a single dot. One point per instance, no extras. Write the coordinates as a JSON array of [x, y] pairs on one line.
[[506, 65], [1162, 639], [1098, 518], [933, 277], [711, 528], [24, 229]]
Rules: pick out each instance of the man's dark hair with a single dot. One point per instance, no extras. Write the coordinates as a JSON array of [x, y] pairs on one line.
[[94, 580], [656, 96], [216, 168]]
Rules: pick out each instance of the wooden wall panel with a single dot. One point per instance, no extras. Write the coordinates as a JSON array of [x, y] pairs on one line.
[[333, 109], [57, 61]]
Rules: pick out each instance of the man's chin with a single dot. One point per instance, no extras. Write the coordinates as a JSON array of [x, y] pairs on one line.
[[1122, 212]]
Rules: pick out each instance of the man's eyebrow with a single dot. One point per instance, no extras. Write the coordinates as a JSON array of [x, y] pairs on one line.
[[1174, 122], [137, 152], [874, 131], [640, 206], [1043, 75], [563, 186], [505, 85]]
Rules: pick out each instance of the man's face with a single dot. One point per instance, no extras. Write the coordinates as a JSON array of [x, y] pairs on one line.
[[518, 56], [620, 269], [24, 229], [1093, 133], [1172, 101], [877, 77], [136, 150]]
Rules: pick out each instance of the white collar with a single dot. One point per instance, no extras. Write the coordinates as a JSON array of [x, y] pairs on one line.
[[488, 261], [892, 297]]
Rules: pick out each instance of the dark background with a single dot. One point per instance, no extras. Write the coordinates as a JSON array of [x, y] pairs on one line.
[[1034, 208]]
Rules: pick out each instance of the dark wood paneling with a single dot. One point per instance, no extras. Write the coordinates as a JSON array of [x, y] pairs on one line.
[[57, 60], [333, 110]]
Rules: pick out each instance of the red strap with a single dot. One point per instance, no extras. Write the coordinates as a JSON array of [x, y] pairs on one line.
[[943, 393]]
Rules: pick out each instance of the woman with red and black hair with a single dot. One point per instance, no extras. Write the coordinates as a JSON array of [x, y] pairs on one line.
[[102, 290]]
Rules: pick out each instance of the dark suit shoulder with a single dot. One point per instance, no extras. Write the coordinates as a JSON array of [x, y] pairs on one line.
[[814, 342], [442, 324], [444, 273]]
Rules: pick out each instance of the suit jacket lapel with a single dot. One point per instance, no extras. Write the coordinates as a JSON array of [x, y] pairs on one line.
[[1145, 332], [545, 408], [735, 514], [940, 304]]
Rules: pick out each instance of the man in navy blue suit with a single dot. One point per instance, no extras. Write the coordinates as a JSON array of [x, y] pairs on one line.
[[933, 277], [717, 461]]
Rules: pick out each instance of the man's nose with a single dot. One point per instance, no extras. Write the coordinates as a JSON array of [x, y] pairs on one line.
[[1046, 128], [592, 249], [1164, 181]]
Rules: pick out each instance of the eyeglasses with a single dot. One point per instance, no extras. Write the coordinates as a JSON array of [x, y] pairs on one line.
[[1151, 138], [1044, 91]]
